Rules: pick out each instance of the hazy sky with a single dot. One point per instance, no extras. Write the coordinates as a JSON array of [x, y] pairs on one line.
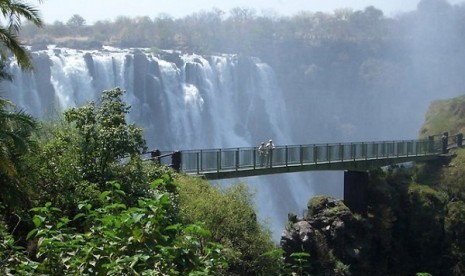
[[93, 10]]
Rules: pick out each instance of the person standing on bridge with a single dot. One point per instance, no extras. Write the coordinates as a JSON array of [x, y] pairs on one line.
[[444, 142], [269, 149], [262, 153]]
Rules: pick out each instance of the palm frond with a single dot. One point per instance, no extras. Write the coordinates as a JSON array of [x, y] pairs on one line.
[[11, 41], [18, 10], [14, 11], [6, 166]]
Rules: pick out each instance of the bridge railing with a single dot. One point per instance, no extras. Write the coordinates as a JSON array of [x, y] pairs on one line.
[[229, 159]]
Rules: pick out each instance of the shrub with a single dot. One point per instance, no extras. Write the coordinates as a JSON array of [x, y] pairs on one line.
[[120, 239], [230, 216]]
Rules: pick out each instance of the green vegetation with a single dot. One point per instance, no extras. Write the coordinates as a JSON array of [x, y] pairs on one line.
[[409, 227], [97, 208], [321, 203], [230, 216], [445, 116], [117, 239], [415, 217], [75, 197], [15, 142]]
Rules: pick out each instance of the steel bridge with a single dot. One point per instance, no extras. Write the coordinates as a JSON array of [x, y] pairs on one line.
[[355, 159], [357, 156]]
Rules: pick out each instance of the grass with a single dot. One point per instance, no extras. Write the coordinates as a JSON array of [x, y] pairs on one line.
[[445, 116]]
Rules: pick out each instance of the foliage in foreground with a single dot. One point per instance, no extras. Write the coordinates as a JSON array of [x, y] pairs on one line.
[[112, 220], [119, 239], [16, 129]]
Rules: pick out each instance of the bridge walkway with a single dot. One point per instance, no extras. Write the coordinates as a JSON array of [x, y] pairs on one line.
[[358, 156]]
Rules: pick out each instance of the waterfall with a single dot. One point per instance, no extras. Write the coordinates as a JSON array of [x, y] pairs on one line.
[[182, 101]]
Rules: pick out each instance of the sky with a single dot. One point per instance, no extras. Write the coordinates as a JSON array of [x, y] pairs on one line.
[[94, 10]]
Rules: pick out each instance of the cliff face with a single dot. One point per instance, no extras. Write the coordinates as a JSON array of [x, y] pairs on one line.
[[445, 116], [404, 232], [332, 235], [415, 220]]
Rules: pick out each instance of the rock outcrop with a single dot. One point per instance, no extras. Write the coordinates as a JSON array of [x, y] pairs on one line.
[[331, 234]]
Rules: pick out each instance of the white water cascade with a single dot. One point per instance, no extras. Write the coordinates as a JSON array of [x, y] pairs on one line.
[[182, 101]]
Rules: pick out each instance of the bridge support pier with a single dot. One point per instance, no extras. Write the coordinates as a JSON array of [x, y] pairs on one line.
[[355, 191]]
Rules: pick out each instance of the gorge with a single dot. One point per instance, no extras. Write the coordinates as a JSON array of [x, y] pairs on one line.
[[187, 101]]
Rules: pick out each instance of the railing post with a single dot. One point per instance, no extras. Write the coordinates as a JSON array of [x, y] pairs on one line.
[[176, 160], [237, 159], [315, 154], [201, 160], [218, 160], [354, 150], [459, 139], [364, 151], [197, 154], [287, 157], [341, 152], [155, 155], [328, 153], [301, 150], [271, 150], [255, 150]]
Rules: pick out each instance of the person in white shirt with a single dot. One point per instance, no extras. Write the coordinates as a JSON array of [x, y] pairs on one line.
[[262, 153], [269, 148]]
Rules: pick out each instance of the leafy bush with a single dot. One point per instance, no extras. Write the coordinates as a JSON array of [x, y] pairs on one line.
[[316, 204], [13, 259], [104, 137], [93, 144], [230, 216], [120, 239], [454, 226], [453, 176]]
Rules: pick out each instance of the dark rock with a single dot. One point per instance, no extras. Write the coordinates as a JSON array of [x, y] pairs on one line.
[[330, 233]]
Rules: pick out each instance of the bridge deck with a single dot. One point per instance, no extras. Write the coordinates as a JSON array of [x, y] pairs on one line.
[[351, 165], [242, 162]]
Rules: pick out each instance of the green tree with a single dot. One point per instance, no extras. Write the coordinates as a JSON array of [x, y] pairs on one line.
[[76, 21], [13, 260], [104, 135], [454, 226], [93, 144], [230, 216]]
